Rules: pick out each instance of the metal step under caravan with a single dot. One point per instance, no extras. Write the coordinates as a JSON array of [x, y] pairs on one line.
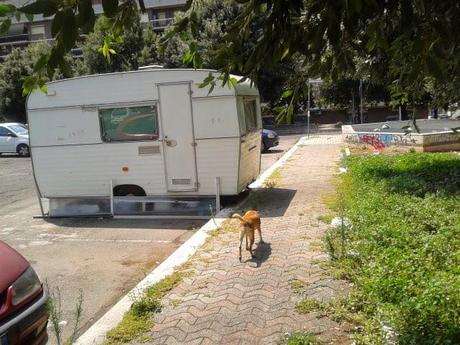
[[135, 207]]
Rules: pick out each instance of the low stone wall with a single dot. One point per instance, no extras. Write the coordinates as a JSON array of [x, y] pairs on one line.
[[425, 142]]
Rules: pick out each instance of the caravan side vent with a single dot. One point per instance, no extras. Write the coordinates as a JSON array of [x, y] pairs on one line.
[[148, 150], [181, 181]]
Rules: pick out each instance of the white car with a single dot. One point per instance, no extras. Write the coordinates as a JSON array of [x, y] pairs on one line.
[[14, 138]]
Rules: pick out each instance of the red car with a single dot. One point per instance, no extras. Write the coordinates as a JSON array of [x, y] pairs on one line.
[[23, 301]]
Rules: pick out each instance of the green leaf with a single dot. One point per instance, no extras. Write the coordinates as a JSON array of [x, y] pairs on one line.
[[57, 23], [434, 67], [142, 5], [29, 85], [45, 7], [188, 57], [110, 7], [69, 30], [357, 5], [285, 53], [286, 94], [6, 9], [209, 79], [30, 17], [56, 55], [43, 88], [197, 60], [18, 16], [86, 17], [5, 26], [193, 47], [41, 62]]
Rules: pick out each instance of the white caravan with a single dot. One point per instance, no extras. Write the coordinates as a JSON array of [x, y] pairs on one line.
[[147, 133]]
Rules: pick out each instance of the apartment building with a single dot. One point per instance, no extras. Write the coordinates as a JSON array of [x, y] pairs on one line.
[[160, 14]]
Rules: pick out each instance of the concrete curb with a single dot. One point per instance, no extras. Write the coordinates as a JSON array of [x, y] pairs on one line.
[[95, 335], [266, 174]]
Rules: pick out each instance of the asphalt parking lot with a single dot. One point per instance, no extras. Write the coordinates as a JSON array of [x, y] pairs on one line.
[[104, 258]]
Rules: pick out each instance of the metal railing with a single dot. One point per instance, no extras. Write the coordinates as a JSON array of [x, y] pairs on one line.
[[22, 38], [161, 23]]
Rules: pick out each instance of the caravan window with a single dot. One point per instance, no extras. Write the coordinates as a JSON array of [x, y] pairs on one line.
[[250, 114], [249, 121], [129, 123]]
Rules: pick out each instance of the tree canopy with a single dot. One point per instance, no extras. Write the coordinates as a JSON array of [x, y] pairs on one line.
[[408, 45]]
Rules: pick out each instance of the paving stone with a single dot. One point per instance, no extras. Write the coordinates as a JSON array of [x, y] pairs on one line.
[[228, 302]]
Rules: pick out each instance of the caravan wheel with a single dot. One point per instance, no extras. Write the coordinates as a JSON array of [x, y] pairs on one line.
[[128, 190]]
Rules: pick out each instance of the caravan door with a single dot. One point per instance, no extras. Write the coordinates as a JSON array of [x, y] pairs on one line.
[[178, 136]]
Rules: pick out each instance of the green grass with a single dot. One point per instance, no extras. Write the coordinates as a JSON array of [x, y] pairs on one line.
[[139, 318], [326, 218], [273, 180], [297, 285], [403, 250], [309, 305], [300, 339]]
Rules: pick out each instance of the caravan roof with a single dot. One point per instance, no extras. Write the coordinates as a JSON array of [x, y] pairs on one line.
[[133, 86]]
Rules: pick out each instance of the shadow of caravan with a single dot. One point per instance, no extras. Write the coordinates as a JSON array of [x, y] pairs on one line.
[[142, 144]]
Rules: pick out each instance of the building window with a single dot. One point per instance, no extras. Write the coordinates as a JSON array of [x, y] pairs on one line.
[[129, 123], [37, 32]]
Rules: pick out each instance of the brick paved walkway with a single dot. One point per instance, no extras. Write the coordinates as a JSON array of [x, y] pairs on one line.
[[228, 302]]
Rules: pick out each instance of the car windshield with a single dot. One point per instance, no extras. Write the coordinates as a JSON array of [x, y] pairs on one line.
[[18, 129]]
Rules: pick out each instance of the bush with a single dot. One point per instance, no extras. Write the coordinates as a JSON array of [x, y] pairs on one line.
[[404, 245]]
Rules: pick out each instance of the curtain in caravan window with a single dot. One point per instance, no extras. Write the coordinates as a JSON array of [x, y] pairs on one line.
[[129, 123], [250, 114]]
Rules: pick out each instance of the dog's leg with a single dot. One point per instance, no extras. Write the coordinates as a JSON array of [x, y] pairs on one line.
[[242, 233], [259, 230], [251, 242], [247, 244]]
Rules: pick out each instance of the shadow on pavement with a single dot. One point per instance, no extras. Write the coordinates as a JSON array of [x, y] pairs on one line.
[[272, 151], [123, 224], [262, 253], [269, 202]]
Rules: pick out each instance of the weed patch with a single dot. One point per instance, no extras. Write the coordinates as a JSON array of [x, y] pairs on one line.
[[309, 305], [402, 250], [297, 285], [300, 339], [274, 179], [139, 318], [326, 218]]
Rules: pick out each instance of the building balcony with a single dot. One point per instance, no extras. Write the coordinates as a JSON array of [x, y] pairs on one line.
[[20, 39], [160, 24]]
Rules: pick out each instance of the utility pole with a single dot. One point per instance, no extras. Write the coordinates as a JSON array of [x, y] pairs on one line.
[[308, 110], [361, 100]]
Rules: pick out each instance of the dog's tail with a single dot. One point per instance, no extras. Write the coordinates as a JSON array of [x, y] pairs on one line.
[[237, 216]]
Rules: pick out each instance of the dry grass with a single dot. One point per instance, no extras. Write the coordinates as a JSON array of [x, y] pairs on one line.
[[273, 180]]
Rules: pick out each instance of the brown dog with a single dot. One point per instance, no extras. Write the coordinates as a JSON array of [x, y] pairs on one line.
[[250, 222]]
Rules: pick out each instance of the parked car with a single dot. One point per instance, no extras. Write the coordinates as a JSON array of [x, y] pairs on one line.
[[14, 138], [23, 301], [269, 139]]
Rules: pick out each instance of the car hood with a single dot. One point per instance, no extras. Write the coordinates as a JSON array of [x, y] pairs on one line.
[[12, 265]]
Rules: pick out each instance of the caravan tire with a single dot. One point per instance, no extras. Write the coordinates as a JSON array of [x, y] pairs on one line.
[[128, 190]]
